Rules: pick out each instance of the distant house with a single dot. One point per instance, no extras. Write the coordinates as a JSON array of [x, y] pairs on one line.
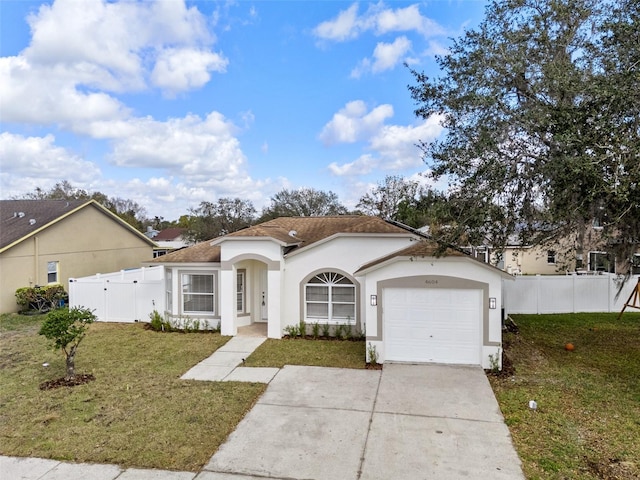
[[167, 240], [555, 258], [46, 242], [562, 258], [362, 272]]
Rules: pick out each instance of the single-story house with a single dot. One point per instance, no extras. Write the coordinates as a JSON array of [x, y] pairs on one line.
[[44, 242], [379, 277]]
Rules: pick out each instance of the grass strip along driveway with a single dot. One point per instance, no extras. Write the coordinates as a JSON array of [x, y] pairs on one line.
[[136, 413], [587, 424], [315, 353]]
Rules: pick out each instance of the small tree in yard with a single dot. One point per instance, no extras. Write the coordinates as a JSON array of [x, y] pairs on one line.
[[66, 328]]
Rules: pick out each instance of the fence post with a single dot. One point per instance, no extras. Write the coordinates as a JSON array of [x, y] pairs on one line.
[[573, 293]]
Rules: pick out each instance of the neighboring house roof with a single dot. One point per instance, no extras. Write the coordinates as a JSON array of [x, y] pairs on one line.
[[201, 252], [21, 219], [300, 232], [169, 234]]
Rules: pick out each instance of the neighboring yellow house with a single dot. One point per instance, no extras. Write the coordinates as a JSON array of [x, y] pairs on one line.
[[539, 260], [44, 242]]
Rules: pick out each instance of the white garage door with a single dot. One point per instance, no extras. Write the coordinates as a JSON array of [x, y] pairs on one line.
[[432, 325]]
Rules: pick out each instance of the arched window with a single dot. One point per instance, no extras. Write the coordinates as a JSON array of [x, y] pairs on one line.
[[330, 298]]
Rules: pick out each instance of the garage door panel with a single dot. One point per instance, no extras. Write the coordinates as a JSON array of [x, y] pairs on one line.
[[432, 325]]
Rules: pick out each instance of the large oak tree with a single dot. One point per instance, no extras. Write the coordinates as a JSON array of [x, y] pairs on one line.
[[542, 113]]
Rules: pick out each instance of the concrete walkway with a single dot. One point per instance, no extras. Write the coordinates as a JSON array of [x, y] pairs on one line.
[[224, 365], [408, 422]]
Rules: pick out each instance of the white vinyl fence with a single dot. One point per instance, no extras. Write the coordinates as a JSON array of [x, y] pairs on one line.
[[125, 296], [566, 293]]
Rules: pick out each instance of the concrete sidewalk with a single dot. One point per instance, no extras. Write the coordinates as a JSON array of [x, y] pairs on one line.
[[224, 364], [14, 468]]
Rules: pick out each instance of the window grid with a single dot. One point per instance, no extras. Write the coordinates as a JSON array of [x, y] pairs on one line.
[[551, 256], [330, 297]]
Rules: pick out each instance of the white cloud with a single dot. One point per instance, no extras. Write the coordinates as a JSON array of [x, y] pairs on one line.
[[396, 144], [406, 19], [83, 51], [33, 94], [388, 55], [393, 147], [344, 27], [190, 147], [30, 162], [362, 166], [385, 57], [348, 25], [178, 70], [353, 123]]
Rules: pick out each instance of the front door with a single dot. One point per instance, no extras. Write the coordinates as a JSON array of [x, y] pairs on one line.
[[264, 296]]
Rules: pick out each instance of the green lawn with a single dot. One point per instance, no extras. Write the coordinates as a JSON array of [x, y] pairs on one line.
[[298, 351], [136, 413], [587, 425]]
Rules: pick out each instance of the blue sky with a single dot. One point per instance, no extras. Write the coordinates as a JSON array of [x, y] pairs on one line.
[[171, 103]]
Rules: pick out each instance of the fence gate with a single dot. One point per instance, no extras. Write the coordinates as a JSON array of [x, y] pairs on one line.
[[127, 296]]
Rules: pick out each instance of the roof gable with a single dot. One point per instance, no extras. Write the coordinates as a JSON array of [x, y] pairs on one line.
[[426, 248], [300, 232], [20, 219], [294, 233]]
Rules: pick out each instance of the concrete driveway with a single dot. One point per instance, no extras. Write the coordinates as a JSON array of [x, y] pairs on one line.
[[407, 422]]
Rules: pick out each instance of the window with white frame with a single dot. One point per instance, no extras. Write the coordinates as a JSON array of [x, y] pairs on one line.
[[330, 297], [241, 303], [52, 272], [169, 290], [551, 256], [198, 293], [601, 262]]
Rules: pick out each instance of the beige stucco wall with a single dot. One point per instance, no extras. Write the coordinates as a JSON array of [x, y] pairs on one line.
[[87, 242], [533, 261]]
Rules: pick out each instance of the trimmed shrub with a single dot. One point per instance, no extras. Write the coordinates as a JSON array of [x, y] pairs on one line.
[[41, 299]]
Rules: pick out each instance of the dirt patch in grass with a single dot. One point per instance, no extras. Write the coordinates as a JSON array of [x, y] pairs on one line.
[[79, 379], [136, 413], [587, 424]]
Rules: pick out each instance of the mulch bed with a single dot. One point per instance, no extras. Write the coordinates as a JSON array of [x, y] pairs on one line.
[[80, 379]]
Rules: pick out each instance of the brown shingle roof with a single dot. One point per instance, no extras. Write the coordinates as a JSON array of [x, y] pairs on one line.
[[169, 234], [308, 231], [201, 252], [19, 218], [313, 229]]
